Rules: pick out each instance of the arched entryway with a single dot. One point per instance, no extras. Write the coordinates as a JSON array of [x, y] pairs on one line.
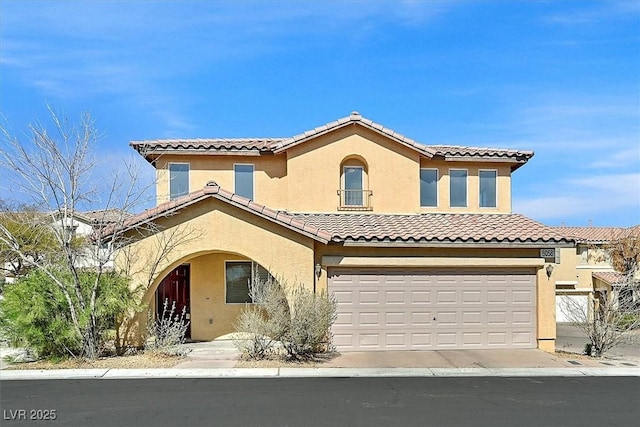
[[213, 289]]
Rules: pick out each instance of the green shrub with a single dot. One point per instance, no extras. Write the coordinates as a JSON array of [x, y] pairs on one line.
[[36, 314]]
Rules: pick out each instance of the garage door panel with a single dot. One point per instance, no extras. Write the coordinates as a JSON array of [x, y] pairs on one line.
[[446, 297], [420, 297], [471, 339], [369, 318], [472, 318], [395, 297], [496, 297], [396, 318], [471, 297], [433, 309], [369, 297], [421, 318], [522, 318]]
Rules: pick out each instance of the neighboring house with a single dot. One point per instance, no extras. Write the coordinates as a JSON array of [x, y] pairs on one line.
[[78, 224], [585, 272], [417, 242]]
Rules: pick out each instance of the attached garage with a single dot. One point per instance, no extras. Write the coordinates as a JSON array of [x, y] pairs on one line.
[[433, 309]]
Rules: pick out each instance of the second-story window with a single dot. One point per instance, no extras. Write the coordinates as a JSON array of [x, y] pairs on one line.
[[178, 180], [488, 189], [458, 188], [353, 185], [243, 180], [428, 187]]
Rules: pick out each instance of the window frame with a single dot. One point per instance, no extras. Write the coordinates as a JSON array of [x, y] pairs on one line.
[[437, 195], [253, 180], [226, 262], [466, 186], [362, 184], [169, 164], [495, 206], [254, 267]]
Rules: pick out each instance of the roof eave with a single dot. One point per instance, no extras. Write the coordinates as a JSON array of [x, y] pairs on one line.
[[449, 244]]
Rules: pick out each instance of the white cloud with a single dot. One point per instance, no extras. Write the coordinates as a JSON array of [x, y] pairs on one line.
[[579, 199], [619, 159]]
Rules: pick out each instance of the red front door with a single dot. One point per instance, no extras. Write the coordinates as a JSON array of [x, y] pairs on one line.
[[175, 288]]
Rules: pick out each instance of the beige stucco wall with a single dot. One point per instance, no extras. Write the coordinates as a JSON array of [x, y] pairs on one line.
[[223, 233], [307, 177], [269, 175]]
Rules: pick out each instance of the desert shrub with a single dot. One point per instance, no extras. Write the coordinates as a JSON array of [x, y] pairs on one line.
[[294, 319], [167, 330], [36, 314], [309, 331], [262, 324]]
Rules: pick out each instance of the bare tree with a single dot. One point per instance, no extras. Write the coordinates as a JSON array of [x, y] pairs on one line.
[[56, 169], [612, 313]]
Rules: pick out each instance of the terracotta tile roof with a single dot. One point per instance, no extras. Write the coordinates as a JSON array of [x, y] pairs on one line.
[[458, 152], [609, 277], [213, 190], [213, 145], [592, 234], [106, 215], [435, 228], [256, 146]]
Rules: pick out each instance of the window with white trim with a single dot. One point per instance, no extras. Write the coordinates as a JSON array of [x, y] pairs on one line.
[[353, 185], [488, 188], [243, 180], [428, 187], [178, 180], [239, 275], [458, 188]]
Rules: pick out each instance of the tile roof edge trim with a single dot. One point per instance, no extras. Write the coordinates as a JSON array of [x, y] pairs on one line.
[[447, 244], [213, 191], [352, 120]]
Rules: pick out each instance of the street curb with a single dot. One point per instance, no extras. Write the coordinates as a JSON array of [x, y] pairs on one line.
[[113, 374]]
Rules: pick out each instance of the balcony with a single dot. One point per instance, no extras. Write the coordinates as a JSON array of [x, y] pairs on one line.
[[355, 200]]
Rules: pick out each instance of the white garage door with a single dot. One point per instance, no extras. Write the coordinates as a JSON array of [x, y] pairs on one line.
[[572, 308], [423, 309]]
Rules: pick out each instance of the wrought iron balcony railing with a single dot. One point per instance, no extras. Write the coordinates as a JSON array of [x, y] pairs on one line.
[[355, 200]]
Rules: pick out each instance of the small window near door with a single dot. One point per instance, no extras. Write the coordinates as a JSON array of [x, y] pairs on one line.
[[178, 180], [488, 189], [458, 188], [428, 187], [238, 278], [243, 179]]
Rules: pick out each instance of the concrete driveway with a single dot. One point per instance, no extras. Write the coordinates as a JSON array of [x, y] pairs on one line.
[[222, 354]]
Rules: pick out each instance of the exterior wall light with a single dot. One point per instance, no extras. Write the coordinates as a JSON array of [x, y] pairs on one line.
[[318, 270], [549, 270]]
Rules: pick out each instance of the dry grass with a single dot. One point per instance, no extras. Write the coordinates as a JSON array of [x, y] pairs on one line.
[[279, 362], [567, 355], [136, 361]]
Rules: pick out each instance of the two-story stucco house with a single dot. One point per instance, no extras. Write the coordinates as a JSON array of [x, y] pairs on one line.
[[417, 242]]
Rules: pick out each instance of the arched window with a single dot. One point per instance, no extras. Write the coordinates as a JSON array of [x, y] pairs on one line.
[[354, 184]]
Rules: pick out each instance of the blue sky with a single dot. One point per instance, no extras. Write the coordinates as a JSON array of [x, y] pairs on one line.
[[561, 78]]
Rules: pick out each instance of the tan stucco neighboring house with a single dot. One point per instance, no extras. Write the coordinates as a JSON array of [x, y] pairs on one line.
[[585, 272], [417, 242]]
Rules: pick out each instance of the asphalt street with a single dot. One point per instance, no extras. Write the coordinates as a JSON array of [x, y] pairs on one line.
[[429, 401]]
